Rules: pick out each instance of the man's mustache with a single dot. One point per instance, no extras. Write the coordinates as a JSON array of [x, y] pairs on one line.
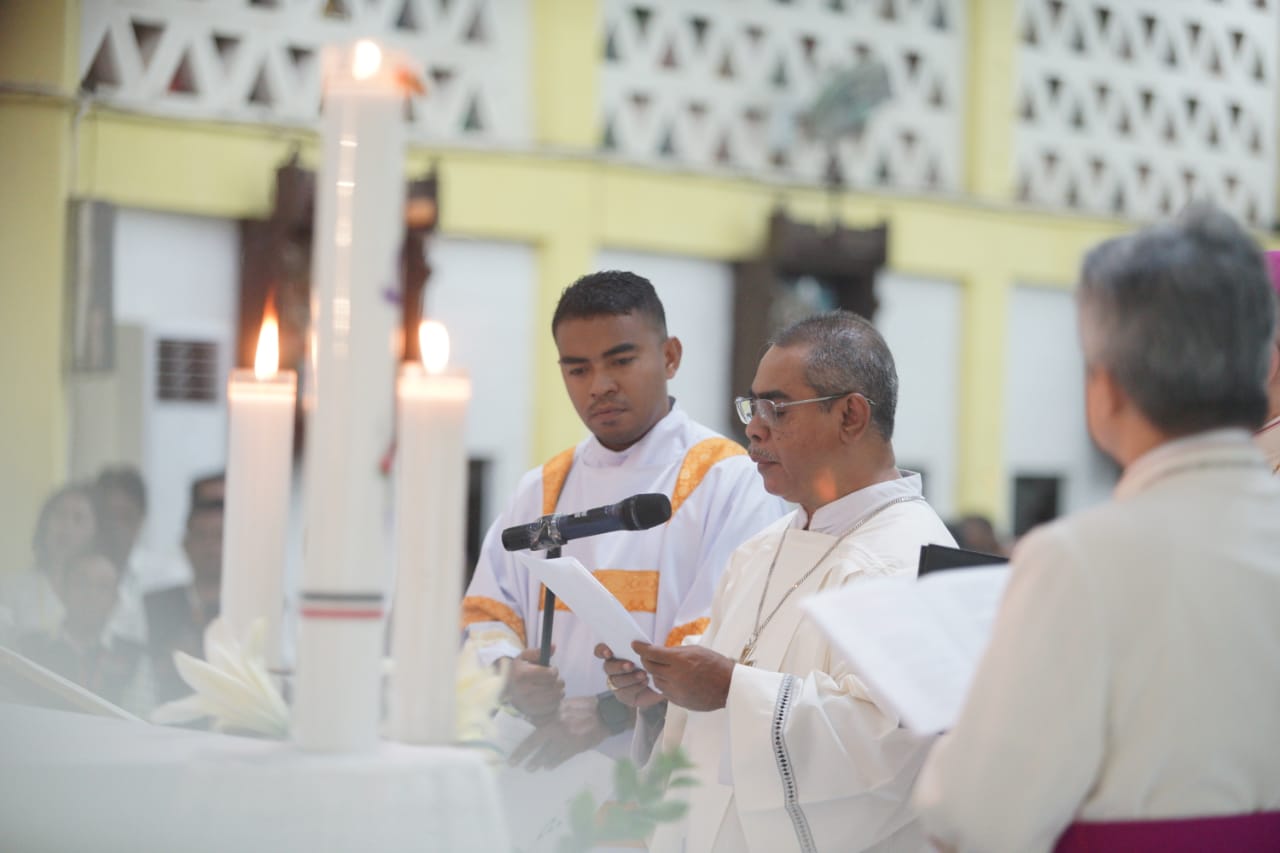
[[757, 455]]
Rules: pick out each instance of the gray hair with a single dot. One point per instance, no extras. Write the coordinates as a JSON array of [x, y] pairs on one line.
[[1182, 316], [847, 354]]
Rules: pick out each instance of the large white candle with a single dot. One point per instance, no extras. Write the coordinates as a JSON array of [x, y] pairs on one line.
[[259, 462], [358, 230], [431, 493]]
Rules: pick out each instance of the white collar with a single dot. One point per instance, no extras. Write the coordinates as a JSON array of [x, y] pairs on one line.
[[839, 516], [659, 440], [1216, 448]]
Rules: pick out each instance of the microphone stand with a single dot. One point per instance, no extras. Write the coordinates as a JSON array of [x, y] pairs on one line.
[[548, 614]]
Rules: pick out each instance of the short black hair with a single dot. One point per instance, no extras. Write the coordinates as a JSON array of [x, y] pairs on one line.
[[610, 293], [198, 485]]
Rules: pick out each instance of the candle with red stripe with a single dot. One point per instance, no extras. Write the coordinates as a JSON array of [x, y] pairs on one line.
[[431, 494], [359, 227]]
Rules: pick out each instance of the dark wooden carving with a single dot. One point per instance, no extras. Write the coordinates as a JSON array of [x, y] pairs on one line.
[[842, 261], [275, 264]]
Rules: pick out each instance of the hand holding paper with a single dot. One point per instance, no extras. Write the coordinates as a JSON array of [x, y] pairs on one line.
[[587, 598]]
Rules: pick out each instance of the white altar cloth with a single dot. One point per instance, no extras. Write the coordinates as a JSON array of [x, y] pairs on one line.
[[76, 782]]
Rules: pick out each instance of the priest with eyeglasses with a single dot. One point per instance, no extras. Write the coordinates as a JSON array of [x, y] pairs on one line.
[[790, 751]]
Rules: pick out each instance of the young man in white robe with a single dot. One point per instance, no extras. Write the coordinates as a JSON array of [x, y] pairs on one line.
[[1268, 437], [1132, 672], [790, 751], [616, 359]]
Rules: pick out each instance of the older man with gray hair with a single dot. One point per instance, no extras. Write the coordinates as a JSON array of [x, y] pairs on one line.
[[790, 750], [1129, 695]]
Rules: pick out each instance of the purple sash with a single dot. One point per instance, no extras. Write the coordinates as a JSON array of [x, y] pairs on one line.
[[1245, 833]]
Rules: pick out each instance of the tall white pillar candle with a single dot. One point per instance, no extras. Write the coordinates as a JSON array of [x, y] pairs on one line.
[[259, 463], [431, 495], [355, 312]]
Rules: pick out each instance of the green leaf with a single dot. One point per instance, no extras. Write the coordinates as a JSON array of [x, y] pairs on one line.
[[649, 794], [678, 760], [640, 804], [582, 814], [669, 811], [626, 780]]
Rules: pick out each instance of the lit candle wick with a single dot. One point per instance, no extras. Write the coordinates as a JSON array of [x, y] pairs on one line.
[[266, 361], [433, 344]]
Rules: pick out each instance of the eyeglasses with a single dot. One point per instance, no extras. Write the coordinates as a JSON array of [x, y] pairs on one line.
[[767, 410]]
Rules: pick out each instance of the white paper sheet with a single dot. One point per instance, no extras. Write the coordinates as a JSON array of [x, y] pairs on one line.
[[589, 600], [915, 644]]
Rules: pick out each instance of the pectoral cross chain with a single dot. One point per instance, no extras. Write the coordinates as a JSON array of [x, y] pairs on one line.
[[748, 651]]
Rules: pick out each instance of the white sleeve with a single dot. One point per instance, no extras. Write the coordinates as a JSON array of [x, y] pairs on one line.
[[493, 609], [1028, 746], [816, 764]]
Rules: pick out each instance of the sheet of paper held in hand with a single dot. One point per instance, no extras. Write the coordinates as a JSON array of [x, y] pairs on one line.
[[915, 644], [589, 600]]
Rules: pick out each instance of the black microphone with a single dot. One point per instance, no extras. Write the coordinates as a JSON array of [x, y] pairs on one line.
[[638, 512]]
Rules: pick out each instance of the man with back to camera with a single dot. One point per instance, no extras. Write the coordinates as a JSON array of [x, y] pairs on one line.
[[616, 359], [1128, 694]]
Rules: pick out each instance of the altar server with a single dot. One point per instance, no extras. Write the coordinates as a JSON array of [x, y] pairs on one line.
[[790, 750], [1129, 695], [616, 359]]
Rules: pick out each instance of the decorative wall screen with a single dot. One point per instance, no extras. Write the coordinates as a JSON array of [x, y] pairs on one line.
[[714, 85], [1134, 107], [259, 60]]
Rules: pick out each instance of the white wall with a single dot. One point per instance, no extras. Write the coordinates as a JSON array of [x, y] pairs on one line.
[[484, 293], [697, 296], [921, 321], [1044, 425], [177, 276]]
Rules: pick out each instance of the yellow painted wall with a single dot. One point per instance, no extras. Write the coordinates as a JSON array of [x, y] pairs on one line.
[[34, 158], [568, 208]]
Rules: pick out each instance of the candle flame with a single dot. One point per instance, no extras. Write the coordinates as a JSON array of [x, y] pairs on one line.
[[267, 360], [367, 60], [433, 344]]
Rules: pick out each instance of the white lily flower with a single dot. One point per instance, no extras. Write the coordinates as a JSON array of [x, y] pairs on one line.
[[479, 689], [233, 687]]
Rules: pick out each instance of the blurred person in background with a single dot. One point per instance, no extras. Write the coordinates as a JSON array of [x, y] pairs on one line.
[[1269, 436], [122, 499], [87, 585], [178, 616], [976, 533], [209, 490], [67, 524]]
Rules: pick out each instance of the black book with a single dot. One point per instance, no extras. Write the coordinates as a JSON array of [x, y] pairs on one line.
[[934, 558]]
